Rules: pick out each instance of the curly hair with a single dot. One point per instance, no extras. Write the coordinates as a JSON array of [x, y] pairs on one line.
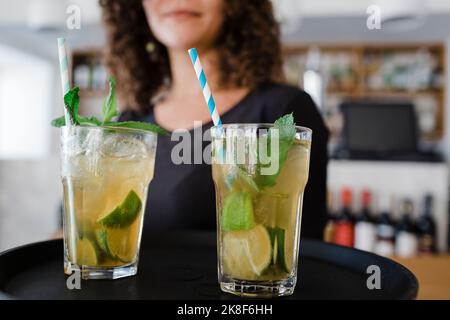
[[248, 46]]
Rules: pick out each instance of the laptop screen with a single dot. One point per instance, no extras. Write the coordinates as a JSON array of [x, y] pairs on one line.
[[379, 127]]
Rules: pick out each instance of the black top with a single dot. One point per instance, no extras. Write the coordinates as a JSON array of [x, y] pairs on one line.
[[182, 196]]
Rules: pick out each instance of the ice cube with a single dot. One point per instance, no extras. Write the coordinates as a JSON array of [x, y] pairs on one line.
[[123, 147], [92, 142]]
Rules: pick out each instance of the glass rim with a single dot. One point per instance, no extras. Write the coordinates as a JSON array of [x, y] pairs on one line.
[[123, 129], [257, 125]]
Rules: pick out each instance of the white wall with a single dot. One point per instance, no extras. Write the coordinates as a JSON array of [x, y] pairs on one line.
[[18, 12], [30, 195], [30, 187], [25, 105]]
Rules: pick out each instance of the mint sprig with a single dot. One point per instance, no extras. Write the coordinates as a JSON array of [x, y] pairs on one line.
[[72, 102], [82, 121], [137, 125], [236, 214], [109, 111], [286, 135]]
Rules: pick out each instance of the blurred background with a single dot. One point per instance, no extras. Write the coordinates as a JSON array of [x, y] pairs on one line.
[[378, 70]]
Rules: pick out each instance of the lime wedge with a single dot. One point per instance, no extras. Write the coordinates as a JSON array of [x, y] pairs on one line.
[[265, 210], [86, 253], [273, 243], [102, 241], [237, 212], [280, 234], [285, 247], [125, 214], [288, 258], [122, 243], [246, 254], [118, 243]]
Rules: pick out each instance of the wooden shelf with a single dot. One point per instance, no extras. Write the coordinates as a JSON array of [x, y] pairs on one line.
[[356, 60]]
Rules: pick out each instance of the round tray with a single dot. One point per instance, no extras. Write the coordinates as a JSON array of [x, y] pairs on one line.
[[183, 266]]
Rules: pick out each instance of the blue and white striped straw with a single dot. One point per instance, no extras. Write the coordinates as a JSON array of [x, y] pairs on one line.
[[64, 70], [205, 87]]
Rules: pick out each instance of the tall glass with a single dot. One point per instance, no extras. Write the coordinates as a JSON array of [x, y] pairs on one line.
[[105, 175], [259, 181]]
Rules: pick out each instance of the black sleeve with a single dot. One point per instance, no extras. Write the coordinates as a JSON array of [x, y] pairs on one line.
[[314, 202]]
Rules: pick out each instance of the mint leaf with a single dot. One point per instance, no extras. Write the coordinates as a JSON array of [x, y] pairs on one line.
[[237, 212], [286, 135], [91, 121], [83, 121], [137, 125], [59, 122], [72, 102], [109, 109], [286, 127]]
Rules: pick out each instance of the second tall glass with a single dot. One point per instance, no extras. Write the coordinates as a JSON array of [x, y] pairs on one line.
[[258, 210]]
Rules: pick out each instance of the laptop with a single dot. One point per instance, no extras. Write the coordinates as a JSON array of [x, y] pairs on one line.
[[381, 131]]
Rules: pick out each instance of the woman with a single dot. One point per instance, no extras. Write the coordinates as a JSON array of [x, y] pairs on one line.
[[238, 42]]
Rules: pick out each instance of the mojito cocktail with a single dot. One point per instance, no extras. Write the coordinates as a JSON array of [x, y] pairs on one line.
[[105, 175], [258, 214]]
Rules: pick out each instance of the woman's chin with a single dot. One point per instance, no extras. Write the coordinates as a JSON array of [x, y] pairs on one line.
[[185, 43], [183, 37]]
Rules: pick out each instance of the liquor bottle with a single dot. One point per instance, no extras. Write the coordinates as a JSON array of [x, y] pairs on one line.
[[406, 236], [328, 233], [427, 228], [448, 229], [385, 229], [344, 228], [365, 231]]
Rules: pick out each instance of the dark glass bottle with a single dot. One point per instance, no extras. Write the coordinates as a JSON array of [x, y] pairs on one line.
[[329, 231], [344, 225], [385, 229], [364, 225], [426, 227], [405, 235]]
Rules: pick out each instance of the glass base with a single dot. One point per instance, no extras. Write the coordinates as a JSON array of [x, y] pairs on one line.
[[259, 289], [101, 272]]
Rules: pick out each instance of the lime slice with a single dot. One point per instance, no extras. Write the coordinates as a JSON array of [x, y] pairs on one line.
[[237, 212], [122, 243], [118, 243], [265, 209], [273, 243], [86, 253], [102, 241], [125, 214], [246, 254], [288, 251], [280, 235], [285, 249]]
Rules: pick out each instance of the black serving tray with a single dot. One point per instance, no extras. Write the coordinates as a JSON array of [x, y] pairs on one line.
[[183, 266]]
